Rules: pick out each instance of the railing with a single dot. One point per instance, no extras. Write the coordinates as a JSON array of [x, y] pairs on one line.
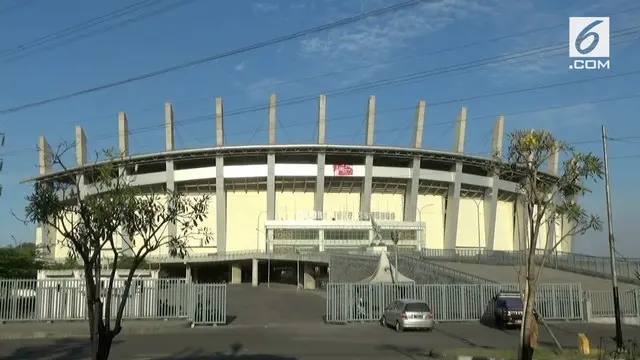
[[601, 303], [450, 302], [584, 264], [65, 300], [283, 254]]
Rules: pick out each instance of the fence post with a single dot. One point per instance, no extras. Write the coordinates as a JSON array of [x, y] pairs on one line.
[[587, 306], [636, 299]]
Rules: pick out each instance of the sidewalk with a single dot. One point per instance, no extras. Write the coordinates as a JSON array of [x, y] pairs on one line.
[[75, 329]]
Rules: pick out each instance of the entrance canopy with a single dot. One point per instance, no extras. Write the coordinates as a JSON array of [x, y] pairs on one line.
[[385, 273]]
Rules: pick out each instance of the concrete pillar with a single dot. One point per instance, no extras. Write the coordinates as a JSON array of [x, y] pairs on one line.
[[460, 130], [453, 208], [491, 195], [254, 272], [272, 119], [271, 161], [365, 195], [221, 194], [81, 157], [453, 195], [309, 276], [169, 127], [187, 274], [44, 156], [219, 122], [318, 200], [169, 146], [320, 240], [123, 134], [235, 272], [418, 128], [413, 184], [370, 121]]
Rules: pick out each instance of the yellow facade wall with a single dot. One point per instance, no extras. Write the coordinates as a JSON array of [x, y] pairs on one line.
[[340, 202], [430, 211], [292, 205], [389, 203], [471, 224], [196, 239], [504, 233], [61, 245], [246, 212]]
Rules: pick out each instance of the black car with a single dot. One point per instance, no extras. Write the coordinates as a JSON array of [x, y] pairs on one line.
[[508, 309]]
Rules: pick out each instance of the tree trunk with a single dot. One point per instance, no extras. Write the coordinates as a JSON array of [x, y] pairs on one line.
[[104, 345], [530, 329]]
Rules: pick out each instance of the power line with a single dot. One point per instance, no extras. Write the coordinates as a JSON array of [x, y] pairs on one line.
[[19, 52], [255, 46]]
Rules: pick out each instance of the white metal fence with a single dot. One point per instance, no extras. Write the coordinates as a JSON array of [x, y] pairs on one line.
[[450, 302], [65, 300]]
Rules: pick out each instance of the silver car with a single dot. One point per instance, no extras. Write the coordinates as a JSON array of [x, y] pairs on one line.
[[408, 314]]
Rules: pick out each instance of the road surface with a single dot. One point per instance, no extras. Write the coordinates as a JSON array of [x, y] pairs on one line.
[[367, 341]]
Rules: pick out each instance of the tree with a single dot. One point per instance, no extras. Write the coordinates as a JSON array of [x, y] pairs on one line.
[[91, 207], [546, 201], [19, 262]]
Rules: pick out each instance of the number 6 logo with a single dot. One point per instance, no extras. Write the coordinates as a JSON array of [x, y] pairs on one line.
[[584, 35], [589, 37]]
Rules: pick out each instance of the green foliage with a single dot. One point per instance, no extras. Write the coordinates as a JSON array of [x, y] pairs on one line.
[[19, 262]]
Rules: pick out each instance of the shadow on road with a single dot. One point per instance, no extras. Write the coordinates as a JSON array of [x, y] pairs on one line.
[[70, 349], [63, 349], [234, 353]]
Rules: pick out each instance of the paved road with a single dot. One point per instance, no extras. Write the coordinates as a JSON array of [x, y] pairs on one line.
[[278, 304], [297, 342]]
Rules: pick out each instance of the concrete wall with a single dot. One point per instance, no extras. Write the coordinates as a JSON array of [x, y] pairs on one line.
[[430, 210], [388, 203]]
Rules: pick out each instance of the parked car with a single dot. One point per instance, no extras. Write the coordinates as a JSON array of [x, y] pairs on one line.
[[408, 314], [508, 309]]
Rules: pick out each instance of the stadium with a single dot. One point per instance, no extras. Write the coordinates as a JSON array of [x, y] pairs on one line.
[[272, 206]]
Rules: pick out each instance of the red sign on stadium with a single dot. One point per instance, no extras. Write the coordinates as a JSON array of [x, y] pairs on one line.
[[342, 170]]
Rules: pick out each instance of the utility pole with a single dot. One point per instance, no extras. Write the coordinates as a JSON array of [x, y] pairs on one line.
[[612, 252]]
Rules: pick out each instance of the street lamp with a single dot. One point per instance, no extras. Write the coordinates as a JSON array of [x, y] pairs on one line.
[[258, 231], [420, 218]]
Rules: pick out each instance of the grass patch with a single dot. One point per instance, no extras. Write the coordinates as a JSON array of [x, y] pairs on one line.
[[541, 353]]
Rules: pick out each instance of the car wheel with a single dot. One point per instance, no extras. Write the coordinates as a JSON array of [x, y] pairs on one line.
[[398, 327], [383, 321], [429, 329], [499, 323]]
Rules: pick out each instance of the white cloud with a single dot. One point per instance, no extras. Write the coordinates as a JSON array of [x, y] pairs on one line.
[[377, 39], [239, 67], [264, 7], [260, 90]]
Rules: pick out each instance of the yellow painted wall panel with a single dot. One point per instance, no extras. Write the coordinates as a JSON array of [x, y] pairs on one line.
[[431, 212], [294, 205], [504, 233], [471, 223], [246, 212], [341, 202], [196, 239], [542, 234], [389, 203]]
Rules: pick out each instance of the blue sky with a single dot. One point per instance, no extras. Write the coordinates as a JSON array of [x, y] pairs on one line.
[[387, 47]]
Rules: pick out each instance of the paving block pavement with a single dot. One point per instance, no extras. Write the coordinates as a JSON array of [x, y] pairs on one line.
[[80, 329]]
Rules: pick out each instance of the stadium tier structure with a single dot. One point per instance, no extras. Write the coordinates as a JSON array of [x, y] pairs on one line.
[[316, 198]]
